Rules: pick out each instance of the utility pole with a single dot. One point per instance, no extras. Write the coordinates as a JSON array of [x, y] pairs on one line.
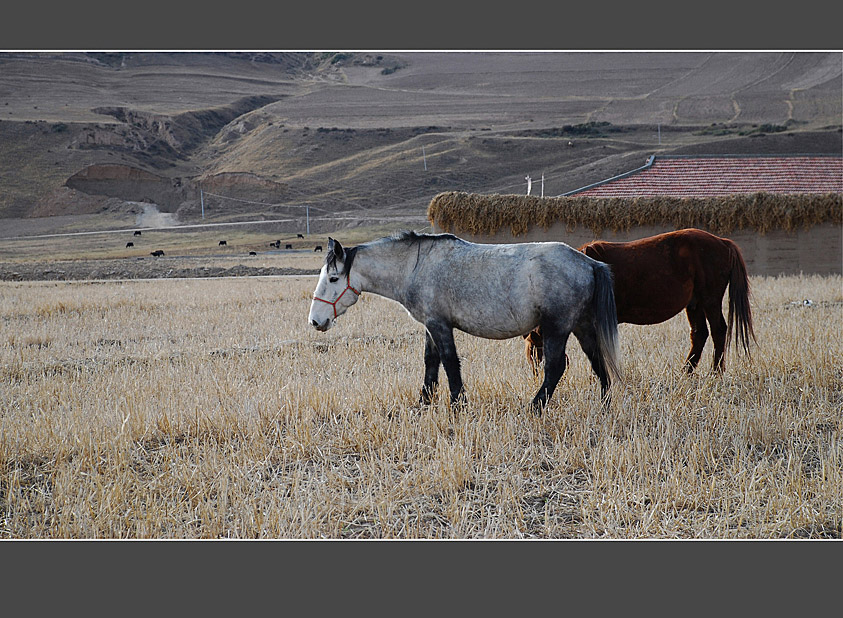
[[307, 214], [542, 185]]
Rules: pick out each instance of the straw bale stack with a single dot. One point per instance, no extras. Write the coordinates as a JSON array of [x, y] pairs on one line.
[[471, 213]]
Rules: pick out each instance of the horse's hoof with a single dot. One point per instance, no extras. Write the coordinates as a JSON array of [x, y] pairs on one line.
[[459, 403], [425, 397]]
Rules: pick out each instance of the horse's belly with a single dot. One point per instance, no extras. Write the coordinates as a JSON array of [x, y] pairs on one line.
[[493, 333], [490, 327], [651, 302]]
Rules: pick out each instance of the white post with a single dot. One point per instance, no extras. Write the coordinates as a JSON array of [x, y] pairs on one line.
[[542, 185], [424, 157], [202, 199], [307, 214], [529, 184]]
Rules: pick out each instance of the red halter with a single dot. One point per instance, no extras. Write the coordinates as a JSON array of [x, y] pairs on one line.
[[347, 288]]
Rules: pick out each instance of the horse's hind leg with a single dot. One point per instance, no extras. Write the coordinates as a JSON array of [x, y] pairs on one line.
[[587, 336], [441, 335], [555, 362], [699, 334], [714, 313], [431, 370]]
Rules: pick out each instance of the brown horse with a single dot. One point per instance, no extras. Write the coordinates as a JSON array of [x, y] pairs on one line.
[[656, 277]]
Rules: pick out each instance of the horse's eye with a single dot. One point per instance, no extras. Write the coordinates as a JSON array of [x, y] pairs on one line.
[[333, 279]]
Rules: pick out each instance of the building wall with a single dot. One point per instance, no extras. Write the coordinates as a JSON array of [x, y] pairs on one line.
[[818, 250]]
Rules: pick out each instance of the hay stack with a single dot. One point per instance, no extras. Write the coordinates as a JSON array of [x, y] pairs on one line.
[[470, 213]]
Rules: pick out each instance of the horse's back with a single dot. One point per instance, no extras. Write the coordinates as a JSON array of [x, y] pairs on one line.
[[517, 259], [676, 243], [502, 290]]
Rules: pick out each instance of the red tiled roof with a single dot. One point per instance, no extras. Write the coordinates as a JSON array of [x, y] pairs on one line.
[[690, 176]]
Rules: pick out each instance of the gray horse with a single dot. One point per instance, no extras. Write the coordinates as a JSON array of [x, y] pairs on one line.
[[491, 291]]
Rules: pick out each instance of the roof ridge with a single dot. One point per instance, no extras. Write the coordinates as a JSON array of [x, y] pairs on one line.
[[749, 156]]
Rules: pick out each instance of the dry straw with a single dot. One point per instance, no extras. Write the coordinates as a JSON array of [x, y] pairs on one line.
[[210, 408], [472, 213]]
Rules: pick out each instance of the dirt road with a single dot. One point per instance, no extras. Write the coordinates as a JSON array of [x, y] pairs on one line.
[[151, 217]]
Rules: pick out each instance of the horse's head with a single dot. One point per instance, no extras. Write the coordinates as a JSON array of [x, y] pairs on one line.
[[334, 293]]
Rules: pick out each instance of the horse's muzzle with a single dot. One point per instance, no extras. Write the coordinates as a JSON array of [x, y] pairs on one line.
[[323, 326]]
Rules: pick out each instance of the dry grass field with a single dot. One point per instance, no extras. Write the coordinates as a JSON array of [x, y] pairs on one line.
[[210, 409]]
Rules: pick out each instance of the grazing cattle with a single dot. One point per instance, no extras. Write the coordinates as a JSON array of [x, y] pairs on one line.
[[252, 253], [137, 233], [299, 236], [223, 243], [486, 290], [157, 253], [659, 276], [288, 246], [130, 244], [276, 244], [318, 248]]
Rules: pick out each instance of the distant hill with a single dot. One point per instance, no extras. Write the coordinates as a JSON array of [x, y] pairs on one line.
[[367, 132]]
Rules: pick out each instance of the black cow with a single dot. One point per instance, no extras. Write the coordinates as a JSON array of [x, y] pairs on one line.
[[276, 244], [288, 246], [223, 243], [130, 244], [137, 233], [252, 253], [299, 236], [157, 253], [318, 248]]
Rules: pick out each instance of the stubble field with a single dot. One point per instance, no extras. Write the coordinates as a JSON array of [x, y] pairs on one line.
[[209, 408]]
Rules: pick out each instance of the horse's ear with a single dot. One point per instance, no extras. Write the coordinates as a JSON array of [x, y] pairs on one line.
[[335, 247]]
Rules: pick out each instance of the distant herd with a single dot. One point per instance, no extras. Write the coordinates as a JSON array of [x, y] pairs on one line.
[[224, 243]]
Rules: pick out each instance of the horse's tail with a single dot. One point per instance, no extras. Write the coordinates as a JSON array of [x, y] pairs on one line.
[[606, 320], [739, 310]]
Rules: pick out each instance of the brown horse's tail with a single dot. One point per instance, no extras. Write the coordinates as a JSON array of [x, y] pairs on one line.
[[739, 310]]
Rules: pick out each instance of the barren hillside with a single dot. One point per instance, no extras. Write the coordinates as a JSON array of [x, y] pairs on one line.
[[369, 135]]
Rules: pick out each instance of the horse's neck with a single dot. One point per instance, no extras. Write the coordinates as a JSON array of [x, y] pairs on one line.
[[383, 270]]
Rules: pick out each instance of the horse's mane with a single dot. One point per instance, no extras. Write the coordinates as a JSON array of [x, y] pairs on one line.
[[411, 236], [403, 236]]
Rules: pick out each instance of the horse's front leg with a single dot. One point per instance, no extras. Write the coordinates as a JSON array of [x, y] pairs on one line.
[[441, 335], [431, 370], [533, 349]]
